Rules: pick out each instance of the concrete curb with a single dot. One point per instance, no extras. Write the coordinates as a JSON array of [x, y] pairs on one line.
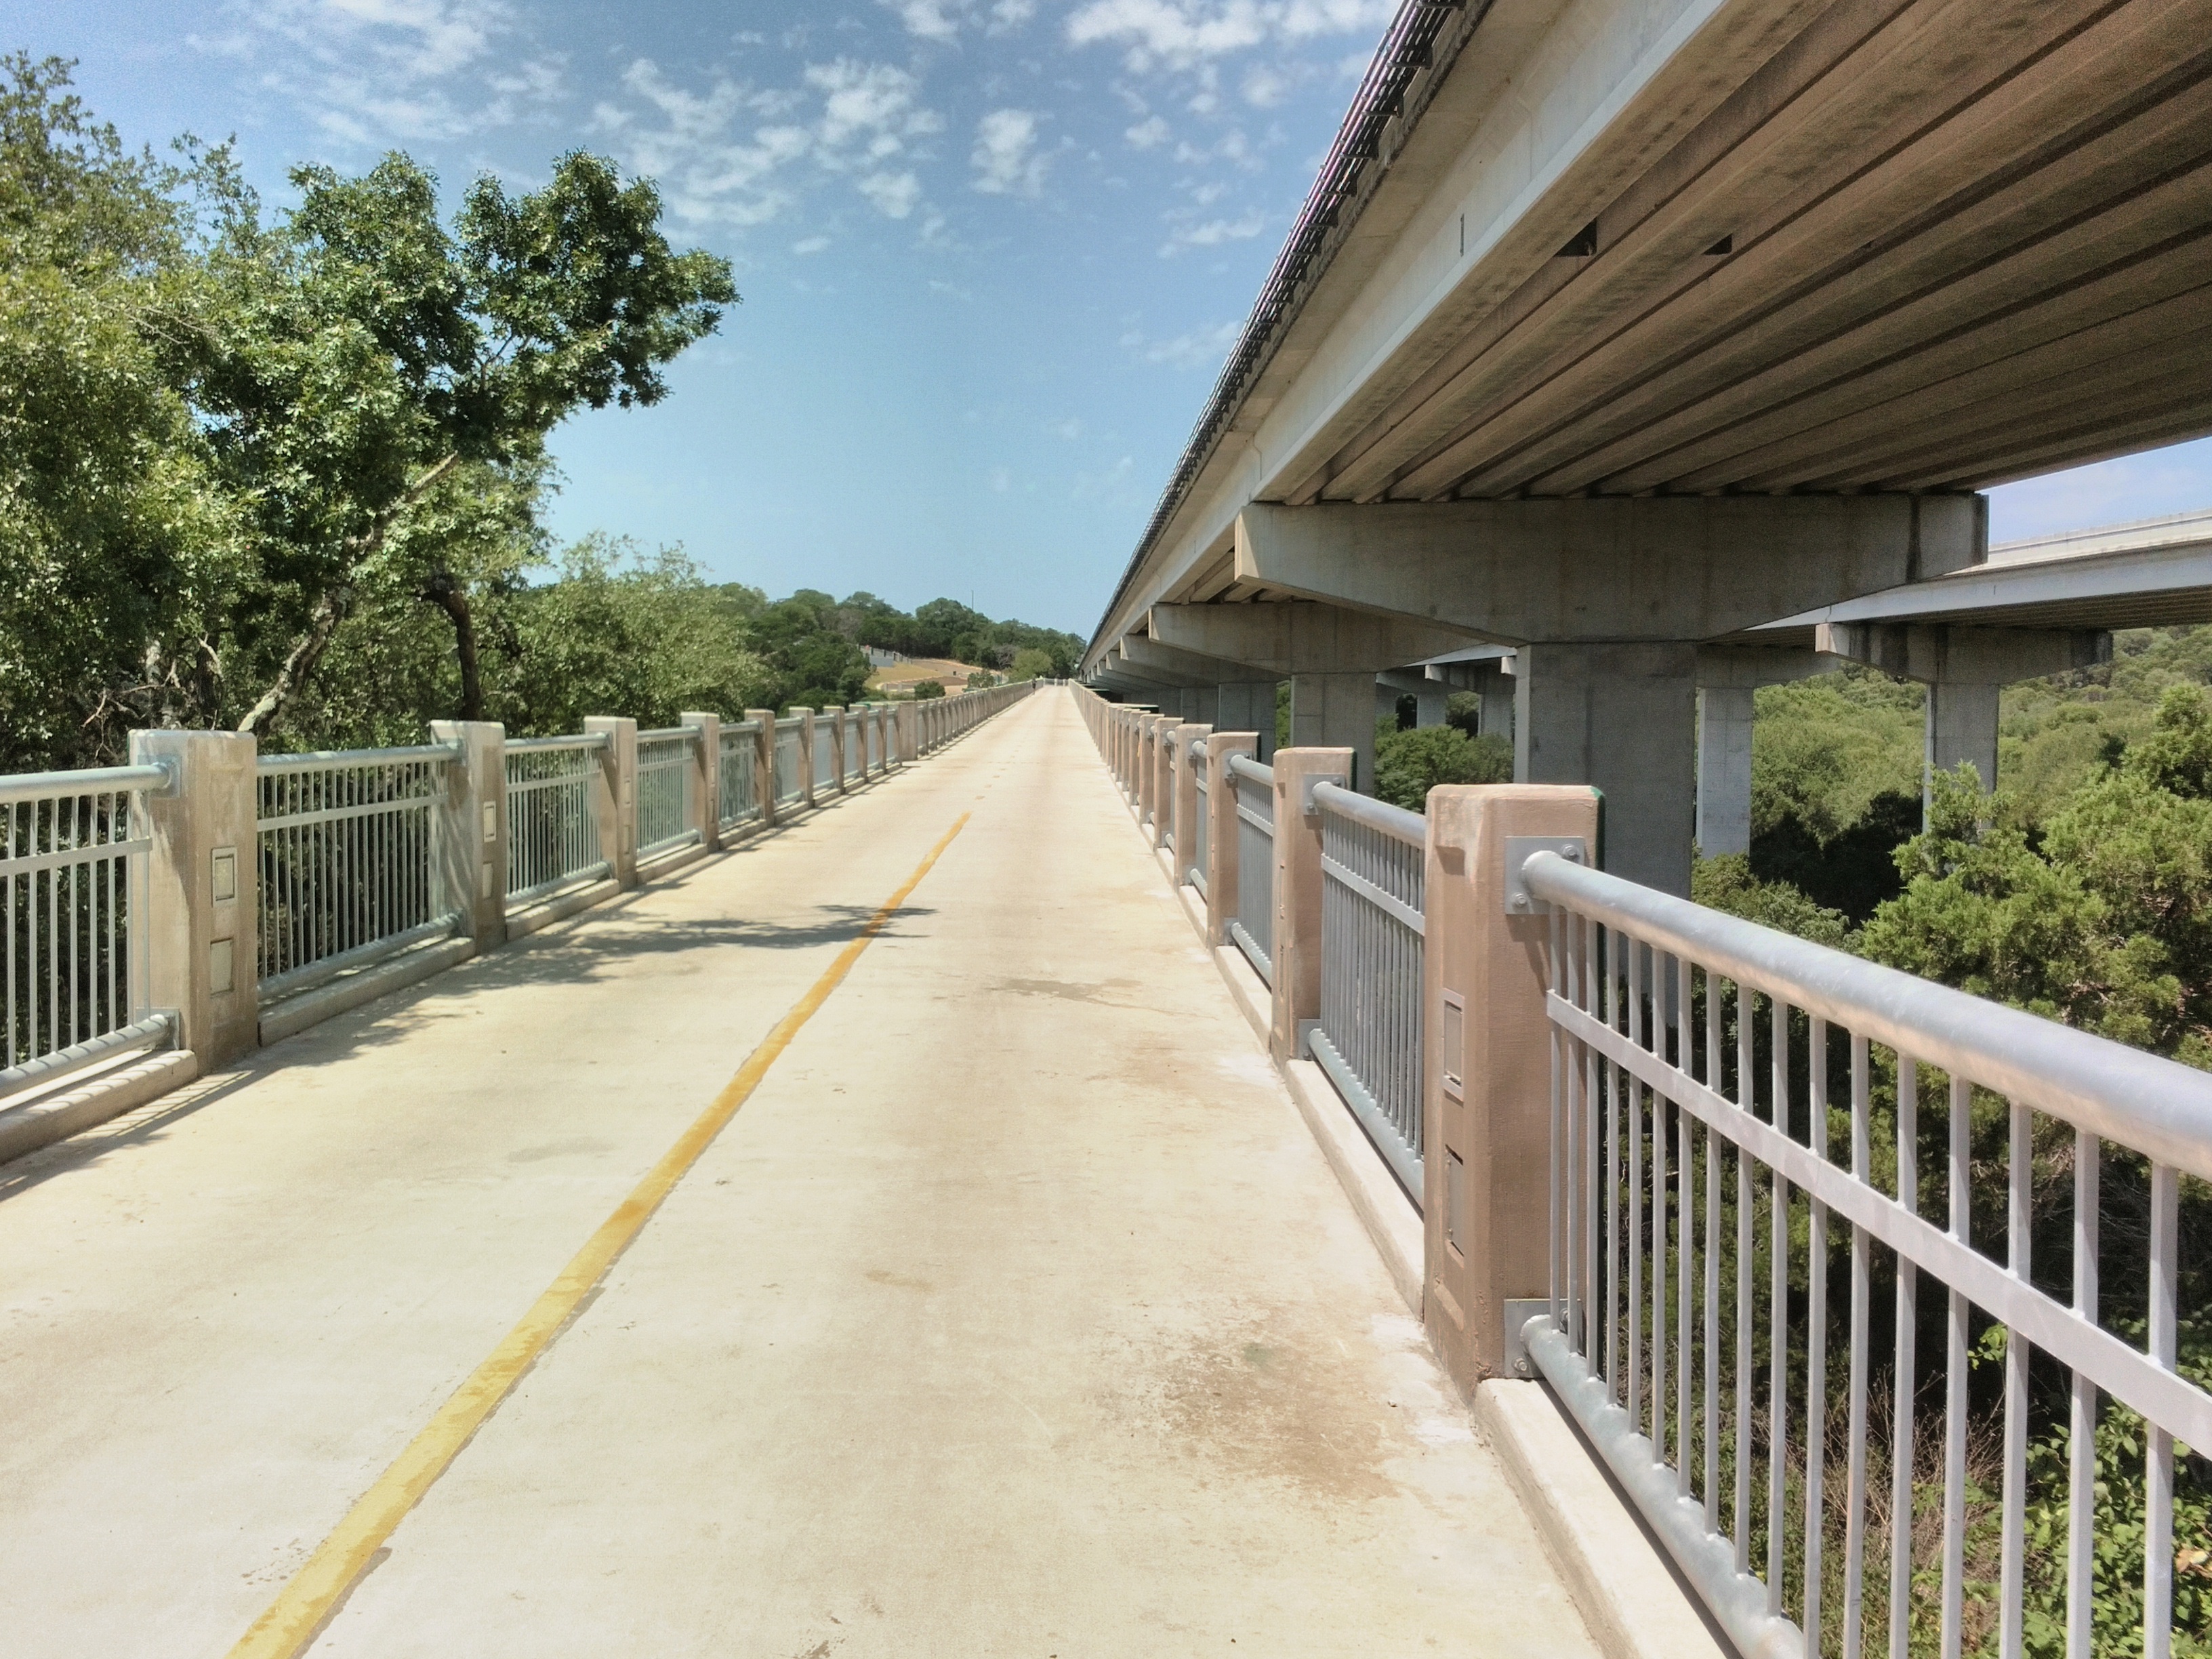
[[1384, 1210], [559, 908], [41, 1122], [296, 1014], [1617, 1575]]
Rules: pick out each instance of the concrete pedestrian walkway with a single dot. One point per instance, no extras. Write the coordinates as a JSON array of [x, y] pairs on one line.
[[1016, 1313]]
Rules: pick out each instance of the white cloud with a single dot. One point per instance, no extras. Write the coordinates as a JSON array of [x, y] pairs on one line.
[[371, 71], [1147, 133], [743, 155], [1070, 428], [810, 245], [1183, 34], [1213, 232], [1004, 157], [894, 193], [943, 19], [1201, 348]]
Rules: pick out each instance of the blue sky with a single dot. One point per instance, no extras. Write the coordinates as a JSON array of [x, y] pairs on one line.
[[992, 252]]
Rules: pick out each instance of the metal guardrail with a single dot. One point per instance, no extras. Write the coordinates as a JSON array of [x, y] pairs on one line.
[[1666, 1127], [825, 754], [1252, 786], [73, 847], [740, 788], [553, 838], [664, 780], [350, 867], [790, 736], [1373, 864]]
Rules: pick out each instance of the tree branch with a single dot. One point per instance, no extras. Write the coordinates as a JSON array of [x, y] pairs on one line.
[[449, 596]]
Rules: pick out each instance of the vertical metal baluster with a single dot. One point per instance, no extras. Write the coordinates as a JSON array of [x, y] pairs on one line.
[[2014, 1547], [1908, 1311], [1713, 1275], [1609, 941], [1661, 1109], [1555, 1208], [1777, 1317], [1954, 1393], [1594, 966], [1634, 1312], [7, 848], [1745, 1022], [1686, 1213], [2082, 1449], [1855, 1494], [2158, 1496], [1816, 1337]]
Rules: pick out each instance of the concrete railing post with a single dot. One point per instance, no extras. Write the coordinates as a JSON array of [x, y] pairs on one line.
[[1295, 949], [1162, 780], [706, 779], [764, 761], [472, 836], [1184, 816], [805, 755], [1486, 1066], [1222, 839], [615, 800], [909, 734], [199, 942]]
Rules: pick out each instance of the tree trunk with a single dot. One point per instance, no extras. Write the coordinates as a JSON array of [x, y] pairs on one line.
[[331, 609], [453, 598], [300, 662]]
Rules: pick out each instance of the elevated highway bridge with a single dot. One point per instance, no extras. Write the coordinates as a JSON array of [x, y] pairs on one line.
[[1612, 330]]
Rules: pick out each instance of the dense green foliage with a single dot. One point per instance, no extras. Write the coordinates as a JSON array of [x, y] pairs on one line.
[[1411, 761], [284, 471]]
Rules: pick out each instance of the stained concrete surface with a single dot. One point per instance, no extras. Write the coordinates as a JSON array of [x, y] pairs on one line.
[[1016, 1313]]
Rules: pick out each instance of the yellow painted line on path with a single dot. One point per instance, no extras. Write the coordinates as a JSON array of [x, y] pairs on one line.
[[297, 1616]]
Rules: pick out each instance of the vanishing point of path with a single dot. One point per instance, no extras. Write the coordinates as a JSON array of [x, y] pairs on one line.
[[1015, 1313]]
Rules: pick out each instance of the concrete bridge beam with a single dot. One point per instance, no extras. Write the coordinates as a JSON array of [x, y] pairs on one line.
[[1964, 668]]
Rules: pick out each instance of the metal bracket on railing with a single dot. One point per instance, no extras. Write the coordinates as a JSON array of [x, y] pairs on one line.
[[1307, 805], [1518, 1312], [1519, 849], [173, 775]]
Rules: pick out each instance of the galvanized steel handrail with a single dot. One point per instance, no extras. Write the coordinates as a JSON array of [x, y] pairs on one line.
[[1635, 1120], [1372, 937], [2157, 1107], [1253, 927], [553, 834], [670, 733], [436, 754], [92, 780], [567, 740], [156, 1030], [350, 859]]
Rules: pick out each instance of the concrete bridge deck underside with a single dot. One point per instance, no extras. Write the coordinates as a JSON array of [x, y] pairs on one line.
[[1016, 1312]]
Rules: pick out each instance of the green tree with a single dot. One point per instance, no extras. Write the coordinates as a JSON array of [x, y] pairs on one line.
[[348, 355], [1032, 664], [1409, 763], [926, 689]]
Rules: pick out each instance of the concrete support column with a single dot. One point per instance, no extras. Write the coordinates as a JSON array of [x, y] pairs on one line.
[[1248, 706], [805, 755], [1619, 717], [1724, 769], [615, 800], [704, 786], [1336, 711], [1185, 816], [1486, 1069], [764, 761], [1295, 951], [1221, 838], [1962, 726], [1498, 691], [199, 903], [1203, 701], [472, 835]]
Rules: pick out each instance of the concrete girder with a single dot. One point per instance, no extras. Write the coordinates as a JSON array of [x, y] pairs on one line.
[[1964, 669], [1604, 569], [1145, 655], [1429, 694], [1281, 641]]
